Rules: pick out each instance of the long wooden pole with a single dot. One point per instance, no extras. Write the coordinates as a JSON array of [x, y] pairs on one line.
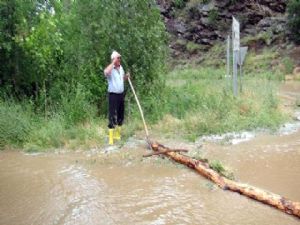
[[202, 167], [141, 112]]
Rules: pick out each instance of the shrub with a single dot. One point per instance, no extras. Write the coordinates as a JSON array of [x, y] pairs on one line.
[[179, 3], [76, 106], [213, 16], [293, 9], [15, 123], [192, 47]]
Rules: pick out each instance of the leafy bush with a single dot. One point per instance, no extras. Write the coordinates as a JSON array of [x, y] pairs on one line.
[[179, 3], [288, 65], [76, 107], [213, 16], [293, 9], [15, 123]]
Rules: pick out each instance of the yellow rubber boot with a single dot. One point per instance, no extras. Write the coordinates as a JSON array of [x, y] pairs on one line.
[[117, 133], [111, 136]]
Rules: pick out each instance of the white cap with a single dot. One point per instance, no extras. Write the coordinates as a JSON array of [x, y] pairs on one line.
[[114, 54]]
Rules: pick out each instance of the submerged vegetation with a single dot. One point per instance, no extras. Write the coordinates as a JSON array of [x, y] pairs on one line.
[[218, 167]]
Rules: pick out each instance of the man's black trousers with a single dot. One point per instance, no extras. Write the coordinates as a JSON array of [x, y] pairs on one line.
[[116, 109]]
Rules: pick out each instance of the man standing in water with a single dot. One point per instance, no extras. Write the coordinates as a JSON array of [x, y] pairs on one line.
[[115, 75]]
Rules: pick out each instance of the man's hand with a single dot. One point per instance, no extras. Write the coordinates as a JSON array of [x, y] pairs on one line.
[[110, 67], [127, 76], [114, 61]]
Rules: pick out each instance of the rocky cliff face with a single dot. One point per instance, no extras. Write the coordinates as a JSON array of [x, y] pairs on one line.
[[196, 25]]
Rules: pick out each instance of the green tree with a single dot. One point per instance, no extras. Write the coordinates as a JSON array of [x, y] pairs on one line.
[[293, 9], [51, 48], [132, 27], [43, 48], [28, 44], [16, 16]]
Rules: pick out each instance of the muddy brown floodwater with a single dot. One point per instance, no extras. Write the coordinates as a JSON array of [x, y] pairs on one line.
[[83, 188]]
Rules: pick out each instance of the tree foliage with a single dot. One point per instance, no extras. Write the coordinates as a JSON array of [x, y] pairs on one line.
[[16, 18], [50, 48], [293, 9]]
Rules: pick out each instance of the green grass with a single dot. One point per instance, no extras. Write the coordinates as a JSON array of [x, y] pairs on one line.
[[217, 166], [16, 122], [73, 125], [262, 65], [200, 102], [192, 47], [263, 37], [288, 65], [54, 134], [195, 102]]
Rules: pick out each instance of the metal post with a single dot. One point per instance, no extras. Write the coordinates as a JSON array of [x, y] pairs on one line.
[[241, 77], [242, 55], [228, 75], [228, 57], [236, 50], [235, 71]]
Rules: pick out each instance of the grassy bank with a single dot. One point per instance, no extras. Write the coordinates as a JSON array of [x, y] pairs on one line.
[[23, 127], [200, 101], [197, 100]]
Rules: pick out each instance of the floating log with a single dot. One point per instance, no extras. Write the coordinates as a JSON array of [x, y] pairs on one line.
[[168, 150], [202, 167]]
